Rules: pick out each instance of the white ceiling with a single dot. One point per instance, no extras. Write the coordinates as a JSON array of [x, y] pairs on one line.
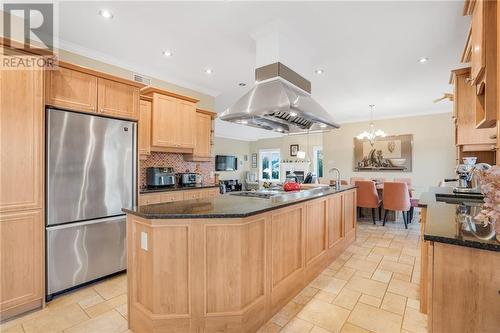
[[369, 50]]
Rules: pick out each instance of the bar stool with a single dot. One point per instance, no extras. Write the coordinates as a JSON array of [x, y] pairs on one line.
[[367, 197], [396, 197]]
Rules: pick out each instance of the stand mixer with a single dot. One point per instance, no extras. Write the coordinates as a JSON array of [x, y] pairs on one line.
[[468, 177]]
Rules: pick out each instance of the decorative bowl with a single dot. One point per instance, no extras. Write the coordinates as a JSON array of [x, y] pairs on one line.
[[397, 162]]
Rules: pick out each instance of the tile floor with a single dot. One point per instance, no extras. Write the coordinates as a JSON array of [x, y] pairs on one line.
[[372, 287]]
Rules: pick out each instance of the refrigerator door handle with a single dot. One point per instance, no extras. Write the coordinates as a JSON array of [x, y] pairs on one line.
[[84, 223]]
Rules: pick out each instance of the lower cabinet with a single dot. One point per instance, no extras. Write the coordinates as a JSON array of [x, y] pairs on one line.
[[22, 260], [172, 196]]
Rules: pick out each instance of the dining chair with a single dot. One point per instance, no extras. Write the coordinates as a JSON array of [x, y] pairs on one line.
[[343, 182], [354, 179], [367, 197], [396, 197], [403, 180]]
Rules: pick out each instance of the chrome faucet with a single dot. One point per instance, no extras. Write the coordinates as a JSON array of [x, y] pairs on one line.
[[337, 182]]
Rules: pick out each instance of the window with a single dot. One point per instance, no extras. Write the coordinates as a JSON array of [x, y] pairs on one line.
[[269, 164], [318, 161]]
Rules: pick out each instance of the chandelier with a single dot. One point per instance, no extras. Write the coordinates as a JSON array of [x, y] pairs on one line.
[[372, 133]]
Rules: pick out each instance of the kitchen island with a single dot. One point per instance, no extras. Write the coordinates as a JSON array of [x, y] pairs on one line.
[[460, 273], [229, 263]]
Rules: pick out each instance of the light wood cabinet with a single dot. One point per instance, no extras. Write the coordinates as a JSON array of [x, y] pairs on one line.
[[21, 191], [144, 137], [481, 52], [335, 219], [192, 194], [80, 89], [173, 121], [117, 99], [350, 213], [470, 300], [172, 196], [203, 136], [70, 89]]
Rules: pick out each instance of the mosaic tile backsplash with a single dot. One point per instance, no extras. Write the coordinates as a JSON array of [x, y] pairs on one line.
[[176, 161]]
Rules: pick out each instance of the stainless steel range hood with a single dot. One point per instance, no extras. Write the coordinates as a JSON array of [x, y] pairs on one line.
[[280, 101]]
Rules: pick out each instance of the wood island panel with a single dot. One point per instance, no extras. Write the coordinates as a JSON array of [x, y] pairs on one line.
[[230, 274]]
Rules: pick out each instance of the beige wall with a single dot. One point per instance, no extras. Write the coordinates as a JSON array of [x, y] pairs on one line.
[[206, 101], [433, 148], [238, 148]]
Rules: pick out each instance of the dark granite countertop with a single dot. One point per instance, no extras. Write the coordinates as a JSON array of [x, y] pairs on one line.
[[224, 206], [175, 188], [445, 193], [443, 219]]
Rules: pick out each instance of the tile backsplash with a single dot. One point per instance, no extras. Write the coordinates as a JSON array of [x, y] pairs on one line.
[[176, 161]]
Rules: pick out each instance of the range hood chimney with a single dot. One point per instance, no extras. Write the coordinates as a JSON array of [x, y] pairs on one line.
[[280, 100]]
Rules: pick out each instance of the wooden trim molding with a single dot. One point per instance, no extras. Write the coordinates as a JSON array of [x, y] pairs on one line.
[[149, 91]]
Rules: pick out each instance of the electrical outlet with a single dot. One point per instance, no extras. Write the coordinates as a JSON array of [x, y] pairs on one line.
[[144, 241]]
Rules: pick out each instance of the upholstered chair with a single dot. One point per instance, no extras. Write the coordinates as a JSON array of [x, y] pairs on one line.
[[396, 198], [367, 196]]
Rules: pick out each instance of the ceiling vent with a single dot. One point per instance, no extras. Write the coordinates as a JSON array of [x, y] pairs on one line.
[[142, 79]]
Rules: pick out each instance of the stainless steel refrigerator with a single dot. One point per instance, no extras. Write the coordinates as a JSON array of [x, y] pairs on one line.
[[90, 177]]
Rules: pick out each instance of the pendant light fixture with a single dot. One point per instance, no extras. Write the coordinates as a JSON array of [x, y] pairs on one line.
[[372, 133]]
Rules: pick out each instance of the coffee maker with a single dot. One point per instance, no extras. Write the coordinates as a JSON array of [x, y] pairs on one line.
[[468, 178]]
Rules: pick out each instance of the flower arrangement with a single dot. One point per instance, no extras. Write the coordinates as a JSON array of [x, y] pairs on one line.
[[490, 186]]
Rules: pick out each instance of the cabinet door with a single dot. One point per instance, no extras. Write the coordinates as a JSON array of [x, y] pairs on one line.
[[165, 125], [349, 211], [21, 139], [69, 89], [203, 135], [144, 137], [477, 39], [118, 99], [335, 219], [187, 118], [210, 193], [22, 261], [316, 229], [172, 196]]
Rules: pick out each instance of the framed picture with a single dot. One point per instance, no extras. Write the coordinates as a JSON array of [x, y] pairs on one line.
[[391, 153], [294, 149], [254, 160]]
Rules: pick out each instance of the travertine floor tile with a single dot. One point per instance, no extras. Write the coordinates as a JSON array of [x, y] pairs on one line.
[[382, 276], [269, 327], [287, 313], [109, 322], [350, 328], [328, 316], [334, 286], [374, 319], [403, 288], [345, 273], [106, 306], [317, 329], [56, 320], [413, 303], [387, 251], [367, 286], [361, 265], [414, 321], [396, 267], [347, 298], [394, 303], [371, 300], [325, 296], [297, 326]]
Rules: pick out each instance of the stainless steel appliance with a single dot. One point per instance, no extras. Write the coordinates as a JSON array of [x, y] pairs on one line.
[[90, 176], [160, 176], [468, 177], [188, 178]]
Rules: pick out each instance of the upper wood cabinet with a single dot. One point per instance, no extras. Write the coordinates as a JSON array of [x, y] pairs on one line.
[[71, 89], [173, 121], [463, 105], [144, 137], [481, 51], [203, 136], [117, 99], [80, 89]]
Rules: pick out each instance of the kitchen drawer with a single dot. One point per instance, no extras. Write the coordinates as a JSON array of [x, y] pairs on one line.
[[193, 194], [172, 196], [211, 193], [148, 199]]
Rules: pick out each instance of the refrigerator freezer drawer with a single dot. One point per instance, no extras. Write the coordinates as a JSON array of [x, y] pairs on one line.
[[85, 251]]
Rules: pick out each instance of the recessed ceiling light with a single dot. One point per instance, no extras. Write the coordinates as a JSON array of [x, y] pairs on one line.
[[279, 129], [243, 122], [423, 60], [209, 71], [242, 84], [107, 14], [322, 125], [319, 71], [168, 53], [293, 114]]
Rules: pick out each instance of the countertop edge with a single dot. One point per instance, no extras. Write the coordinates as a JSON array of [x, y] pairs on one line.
[[466, 243], [175, 189], [228, 215]]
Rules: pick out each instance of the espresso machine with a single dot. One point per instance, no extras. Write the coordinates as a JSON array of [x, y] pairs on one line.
[[468, 178]]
